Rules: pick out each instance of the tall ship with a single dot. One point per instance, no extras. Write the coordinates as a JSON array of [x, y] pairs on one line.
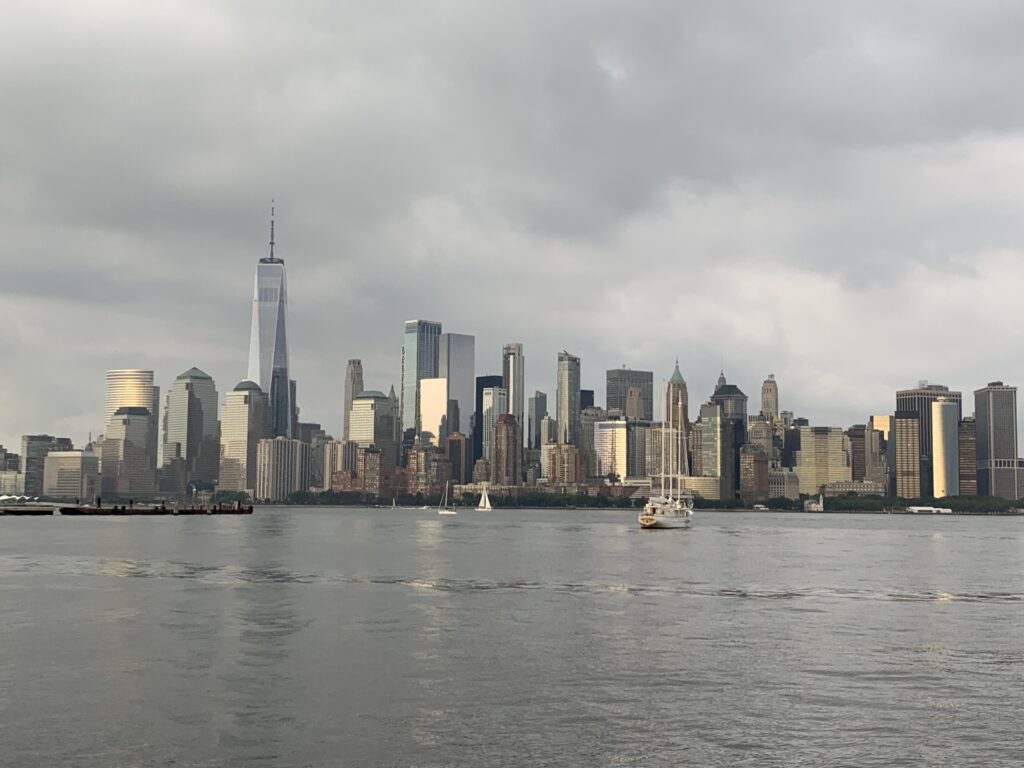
[[673, 506]]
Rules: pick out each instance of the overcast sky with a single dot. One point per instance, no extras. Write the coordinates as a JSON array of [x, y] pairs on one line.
[[830, 192]]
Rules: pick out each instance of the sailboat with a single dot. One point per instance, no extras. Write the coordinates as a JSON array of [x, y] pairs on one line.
[[444, 508], [485, 502], [673, 507]]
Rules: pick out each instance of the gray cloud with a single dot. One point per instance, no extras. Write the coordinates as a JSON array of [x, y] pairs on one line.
[[828, 193]]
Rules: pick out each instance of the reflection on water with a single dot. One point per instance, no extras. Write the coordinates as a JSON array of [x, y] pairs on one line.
[[370, 637]]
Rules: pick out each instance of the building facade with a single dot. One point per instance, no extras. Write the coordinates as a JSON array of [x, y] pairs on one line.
[[919, 401], [620, 382], [353, 386], [770, 398], [420, 354], [967, 448], [506, 456], [494, 404], [611, 450], [995, 414], [824, 457], [374, 423], [283, 467], [245, 422], [433, 411], [457, 363], [71, 475], [129, 466], [945, 449], [190, 428], [537, 409], [34, 450], [567, 402], [906, 438]]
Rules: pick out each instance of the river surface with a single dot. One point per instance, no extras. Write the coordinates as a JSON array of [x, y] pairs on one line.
[[356, 637]]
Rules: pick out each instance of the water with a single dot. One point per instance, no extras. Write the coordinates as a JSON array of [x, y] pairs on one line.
[[310, 637]]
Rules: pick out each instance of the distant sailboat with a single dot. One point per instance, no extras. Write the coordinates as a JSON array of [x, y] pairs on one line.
[[445, 508], [485, 502]]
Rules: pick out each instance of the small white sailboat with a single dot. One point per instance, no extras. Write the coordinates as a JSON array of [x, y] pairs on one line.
[[485, 502], [673, 507], [445, 508]]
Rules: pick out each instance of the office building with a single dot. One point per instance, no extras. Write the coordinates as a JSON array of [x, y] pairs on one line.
[[906, 442], [268, 341], [783, 483], [733, 405], [190, 428], [567, 405], [967, 448], [460, 455], [611, 450], [945, 448], [433, 411], [420, 354], [770, 398], [586, 398], [245, 421], [881, 423], [857, 435], [638, 437], [677, 400], [129, 388], [457, 363], [536, 409], [482, 383], [920, 401], [34, 449], [562, 465], [129, 466], [513, 379], [494, 403], [373, 423], [824, 457], [995, 414], [754, 485], [620, 382], [506, 455], [283, 467], [71, 475], [585, 442], [353, 386]]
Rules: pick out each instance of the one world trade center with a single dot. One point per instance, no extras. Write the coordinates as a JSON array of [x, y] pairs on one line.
[[268, 344]]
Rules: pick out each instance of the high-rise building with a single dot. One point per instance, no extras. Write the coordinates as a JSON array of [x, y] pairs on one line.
[[824, 457], [244, 422], [620, 381], [372, 423], [906, 441], [967, 447], [677, 400], [754, 486], [770, 398], [457, 363], [513, 379], [506, 462], [536, 410], [482, 383], [714, 454], [128, 388], [881, 423], [567, 405], [638, 436], [71, 475], [460, 456], [586, 398], [34, 449], [995, 413], [268, 340], [353, 386], [283, 467], [920, 401], [734, 413], [611, 449], [129, 464], [494, 404], [190, 427], [563, 464], [857, 435], [433, 411], [589, 416], [419, 361], [945, 448]]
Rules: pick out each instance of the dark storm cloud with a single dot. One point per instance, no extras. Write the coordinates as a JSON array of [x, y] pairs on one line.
[[823, 191]]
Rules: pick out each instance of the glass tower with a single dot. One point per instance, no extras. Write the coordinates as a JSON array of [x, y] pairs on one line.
[[419, 361]]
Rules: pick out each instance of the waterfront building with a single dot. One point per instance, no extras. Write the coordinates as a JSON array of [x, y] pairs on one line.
[[506, 461], [995, 413], [611, 450], [906, 426], [283, 467], [433, 411], [824, 457], [456, 362], [420, 354], [71, 475], [353, 386], [620, 383], [268, 340], [190, 428], [770, 398], [482, 383], [967, 448], [245, 421], [373, 421], [589, 416], [34, 449], [129, 466], [853, 488], [568, 399], [945, 448], [920, 400], [494, 403], [537, 409]]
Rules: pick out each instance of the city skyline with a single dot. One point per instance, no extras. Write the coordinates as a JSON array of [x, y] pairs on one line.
[[126, 251]]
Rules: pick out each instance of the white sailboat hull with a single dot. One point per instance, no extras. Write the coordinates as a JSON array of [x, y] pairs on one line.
[[665, 520]]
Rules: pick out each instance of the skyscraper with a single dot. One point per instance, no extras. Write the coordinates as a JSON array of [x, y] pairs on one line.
[[128, 461], [433, 411], [967, 447], [129, 388], [734, 415], [495, 403], [283, 467], [353, 386], [268, 340], [995, 413], [945, 448], [506, 461], [537, 409], [372, 421], [611, 449], [906, 433], [620, 382], [568, 398], [34, 450], [245, 421], [456, 362], [770, 398], [920, 400], [824, 457], [677, 401], [419, 361], [190, 426], [482, 383], [513, 377]]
